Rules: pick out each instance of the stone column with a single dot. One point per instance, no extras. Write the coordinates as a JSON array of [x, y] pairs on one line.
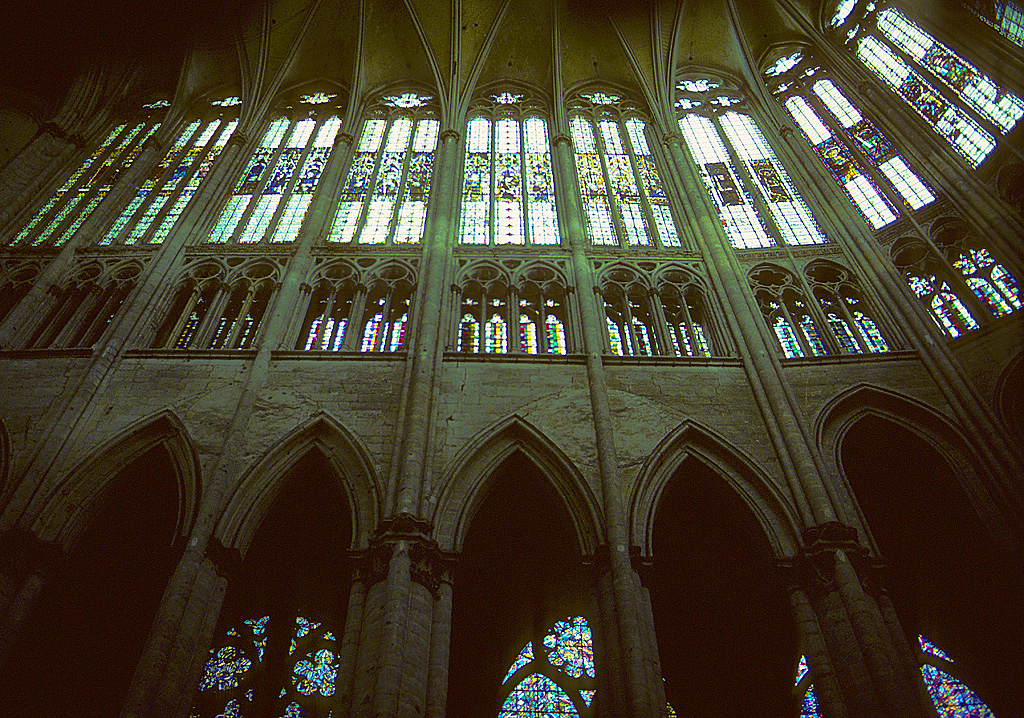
[[25, 564], [632, 675]]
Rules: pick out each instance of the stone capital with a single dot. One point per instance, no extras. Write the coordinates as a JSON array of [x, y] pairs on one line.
[[560, 138], [226, 560], [450, 135], [238, 138], [813, 569], [429, 565]]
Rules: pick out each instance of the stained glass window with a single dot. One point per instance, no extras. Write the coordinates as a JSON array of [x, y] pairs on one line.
[[241, 668], [58, 220], [623, 197], [508, 193], [272, 196], [990, 281], [384, 196], [555, 678], [949, 312], [952, 698]]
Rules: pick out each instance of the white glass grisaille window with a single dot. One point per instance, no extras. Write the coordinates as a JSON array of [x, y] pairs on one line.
[[384, 196], [755, 198], [960, 103], [508, 194], [272, 196], [79, 195], [876, 178], [623, 197]]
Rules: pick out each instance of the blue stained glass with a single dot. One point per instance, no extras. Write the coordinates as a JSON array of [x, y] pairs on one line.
[[317, 674], [525, 656], [809, 708], [876, 342], [843, 333], [555, 335], [615, 337], [813, 336], [787, 338], [802, 669], [571, 647], [951, 697], [535, 697], [224, 669]]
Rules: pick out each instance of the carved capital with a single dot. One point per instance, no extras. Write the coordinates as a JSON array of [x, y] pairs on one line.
[[226, 560], [344, 138], [52, 129], [429, 565], [814, 568], [237, 138], [602, 563], [672, 138], [560, 138], [23, 553], [450, 135]]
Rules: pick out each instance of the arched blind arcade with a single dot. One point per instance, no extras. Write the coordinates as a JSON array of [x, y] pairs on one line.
[[384, 197]]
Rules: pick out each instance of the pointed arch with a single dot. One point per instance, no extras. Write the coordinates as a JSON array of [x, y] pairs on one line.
[[771, 507], [76, 497], [1009, 396], [467, 479], [352, 464], [844, 410]]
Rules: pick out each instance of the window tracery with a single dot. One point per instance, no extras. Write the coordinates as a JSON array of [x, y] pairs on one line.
[[691, 328], [243, 665], [952, 697], [85, 305], [384, 196], [523, 311], [271, 198], [164, 195], [961, 104], [624, 200], [788, 313], [846, 311], [875, 177], [210, 312], [756, 201], [16, 279], [508, 194]]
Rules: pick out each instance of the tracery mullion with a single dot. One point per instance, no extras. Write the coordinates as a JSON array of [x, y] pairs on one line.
[[74, 213], [524, 182], [204, 333], [833, 344], [858, 332], [354, 330], [797, 329], [293, 179], [236, 325], [618, 225], [402, 180], [514, 313], [652, 227], [760, 204], [665, 345]]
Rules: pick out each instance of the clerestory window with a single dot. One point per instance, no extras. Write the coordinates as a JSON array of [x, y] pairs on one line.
[[623, 197], [875, 177], [384, 196], [757, 202], [271, 198]]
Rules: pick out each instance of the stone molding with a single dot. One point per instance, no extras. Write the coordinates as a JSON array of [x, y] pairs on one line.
[[226, 560], [429, 565], [813, 569]]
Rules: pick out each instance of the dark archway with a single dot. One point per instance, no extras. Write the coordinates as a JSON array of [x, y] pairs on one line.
[[79, 650], [519, 572], [726, 639], [296, 573], [946, 576]]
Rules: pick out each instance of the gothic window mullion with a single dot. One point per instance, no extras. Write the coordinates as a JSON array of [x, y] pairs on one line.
[[406, 165], [840, 303], [653, 233], [293, 180], [63, 193], [98, 315], [242, 225], [317, 342], [819, 316], [760, 205], [797, 328], [177, 332], [81, 207], [79, 312], [956, 282], [881, 182], [243, 312], [689, 324], [613, 200], [492, 207], [524, 192], [171, 207], [663, 332], [514, 312], [205, 332]]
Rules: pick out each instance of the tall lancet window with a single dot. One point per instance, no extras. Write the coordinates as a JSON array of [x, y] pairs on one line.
[[508, 191], [863, 162], [959, 102], [78, 196], [163, 195], [756, 201], [384, 196], [272, 196], [623, 197]]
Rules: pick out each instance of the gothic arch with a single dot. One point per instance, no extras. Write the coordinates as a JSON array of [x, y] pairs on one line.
[[76, 497], [466, 482], [771, 507], [261, 484], [844, 410]]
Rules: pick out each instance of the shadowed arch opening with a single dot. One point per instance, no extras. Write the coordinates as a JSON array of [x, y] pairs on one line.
[[277, 642], [726, 639], [79, 649], [520, 572], [1009, 399], [947, 577]]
